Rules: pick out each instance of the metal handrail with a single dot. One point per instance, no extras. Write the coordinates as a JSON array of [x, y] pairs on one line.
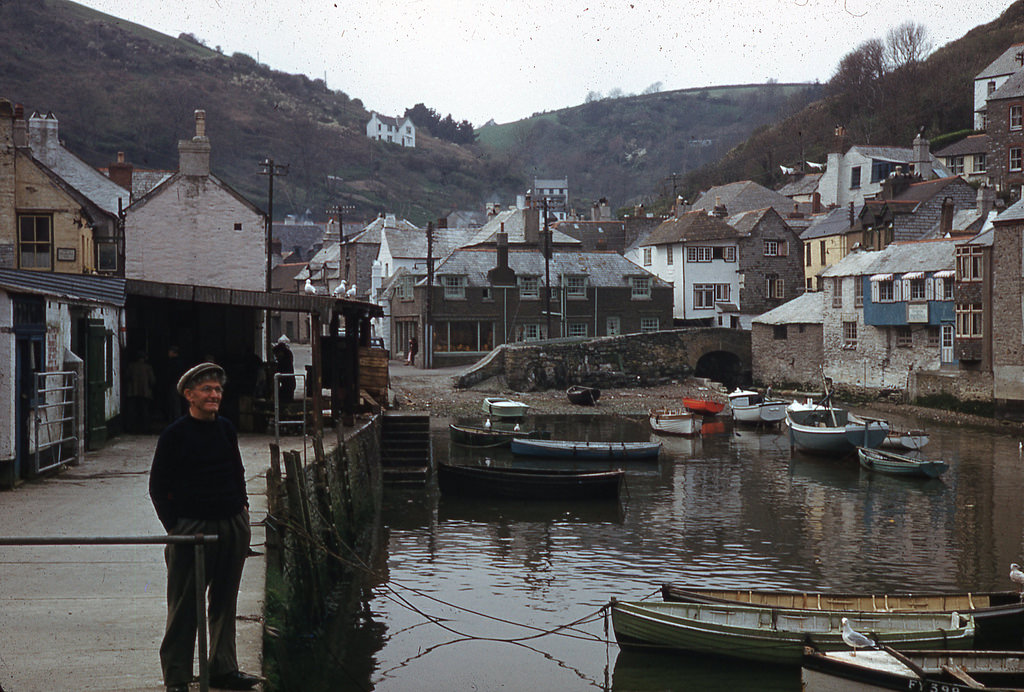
[[299, 378], [199, 540]]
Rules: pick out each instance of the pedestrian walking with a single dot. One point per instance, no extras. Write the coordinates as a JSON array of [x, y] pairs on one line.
[[414, 347], [197, 485]]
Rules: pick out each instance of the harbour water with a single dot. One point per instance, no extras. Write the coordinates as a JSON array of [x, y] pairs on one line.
[[472, 594]]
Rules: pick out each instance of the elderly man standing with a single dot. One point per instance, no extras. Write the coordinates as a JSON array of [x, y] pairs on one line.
[[197, 485]]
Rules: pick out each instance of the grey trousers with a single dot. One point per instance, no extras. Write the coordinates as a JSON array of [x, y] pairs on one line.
[[224, 561]]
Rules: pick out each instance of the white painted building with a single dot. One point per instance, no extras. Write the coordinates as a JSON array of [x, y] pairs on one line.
[[993, 77], [386, 129], [194, 229], [52, 317], [858, 174], [699, 255]]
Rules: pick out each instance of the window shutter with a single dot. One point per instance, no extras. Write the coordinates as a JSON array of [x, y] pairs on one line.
[[874, 292], [783, 248], [902, 287], [929, 288]]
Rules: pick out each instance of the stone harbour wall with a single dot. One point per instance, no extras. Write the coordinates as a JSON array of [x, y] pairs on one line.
[[613, 361]]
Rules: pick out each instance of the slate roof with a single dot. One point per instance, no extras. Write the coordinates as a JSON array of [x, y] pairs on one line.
[[1015, 212], [1013, 87], [918, 255], [98, 188], [305, 236], [71, 287], [515, 228], [973, 144], [1003, 65], [899, 155], [916, 193], [688, 227], [833, 222], [806, 308], [743, 196], [804, 186], [371, 233], [405, 244], [603, 269]]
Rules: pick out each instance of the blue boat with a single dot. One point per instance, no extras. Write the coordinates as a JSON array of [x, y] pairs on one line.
[[568, 449]]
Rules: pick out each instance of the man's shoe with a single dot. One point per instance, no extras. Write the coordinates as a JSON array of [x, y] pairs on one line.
[[235, 680]]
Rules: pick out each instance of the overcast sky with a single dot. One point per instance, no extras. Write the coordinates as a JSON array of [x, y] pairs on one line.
[[506, 60]]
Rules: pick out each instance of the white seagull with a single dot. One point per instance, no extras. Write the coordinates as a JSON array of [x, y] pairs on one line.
[[487, 424], [309, 288], [516, 428], [340, 288], [855, 639], [1016, 576], [351, 291]]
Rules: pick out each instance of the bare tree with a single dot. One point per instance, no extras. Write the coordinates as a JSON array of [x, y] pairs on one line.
[[862, 66], [907, 44]]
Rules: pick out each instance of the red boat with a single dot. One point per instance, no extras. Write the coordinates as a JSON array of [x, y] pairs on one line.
[[703, 406]]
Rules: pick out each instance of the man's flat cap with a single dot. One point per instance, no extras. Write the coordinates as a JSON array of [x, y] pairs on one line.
[[203, 371]]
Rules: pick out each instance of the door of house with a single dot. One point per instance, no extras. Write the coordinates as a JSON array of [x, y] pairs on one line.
[[946, 349], [96, 382]]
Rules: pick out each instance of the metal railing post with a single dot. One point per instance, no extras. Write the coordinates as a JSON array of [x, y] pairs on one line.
[[204, 664]]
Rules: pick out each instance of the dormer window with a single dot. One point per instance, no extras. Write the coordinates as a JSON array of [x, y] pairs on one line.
[[576, 286], [454, 286], [640, 287]]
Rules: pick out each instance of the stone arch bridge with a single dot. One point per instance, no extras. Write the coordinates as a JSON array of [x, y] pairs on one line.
[[719, 354]]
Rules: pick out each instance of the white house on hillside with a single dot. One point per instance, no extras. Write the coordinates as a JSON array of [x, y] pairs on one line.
[[993, 77], [398, 130], [858, 174]]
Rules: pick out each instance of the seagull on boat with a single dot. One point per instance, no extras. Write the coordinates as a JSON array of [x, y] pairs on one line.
[[855, 639], [487, 424], [1016, 576], [516, 428]]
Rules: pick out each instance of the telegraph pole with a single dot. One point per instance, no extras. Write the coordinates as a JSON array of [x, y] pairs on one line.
[[338, 212], [547, 270], [271, 170], [428, 336]]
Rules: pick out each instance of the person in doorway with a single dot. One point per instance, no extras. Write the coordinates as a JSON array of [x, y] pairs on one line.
[[414, 347], [284, 363], [197, 485], [141, 381], [170, 371]]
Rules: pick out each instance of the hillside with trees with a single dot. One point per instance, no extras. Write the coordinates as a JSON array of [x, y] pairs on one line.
[[883, 92]]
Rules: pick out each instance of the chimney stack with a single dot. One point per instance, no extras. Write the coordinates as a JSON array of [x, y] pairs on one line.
[[194, 154], [121, 172], [531, 222], [816, 202], [20, 127], [946, 220], [720, 211], [986, 199], [922, 158], [502, 274]]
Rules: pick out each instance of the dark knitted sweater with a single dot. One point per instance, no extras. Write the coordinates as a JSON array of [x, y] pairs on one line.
[[197, 472]]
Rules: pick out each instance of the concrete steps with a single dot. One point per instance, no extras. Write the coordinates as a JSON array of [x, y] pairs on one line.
[[405, 448]]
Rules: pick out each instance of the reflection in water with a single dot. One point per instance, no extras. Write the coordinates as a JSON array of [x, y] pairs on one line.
[[638, 671], [472, 590]]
